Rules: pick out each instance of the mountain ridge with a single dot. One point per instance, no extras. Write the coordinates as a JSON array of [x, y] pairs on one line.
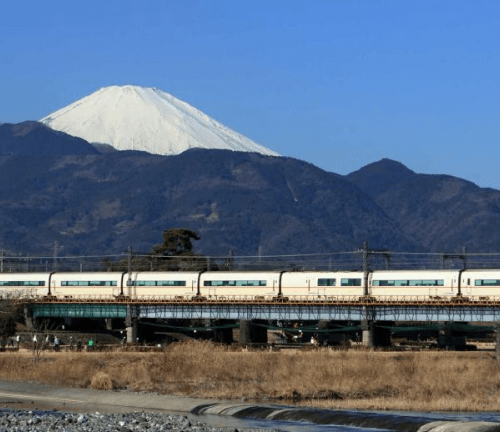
[[19, 139], [245, 202]]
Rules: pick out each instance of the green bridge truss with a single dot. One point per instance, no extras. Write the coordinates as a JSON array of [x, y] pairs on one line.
[[80, 310]]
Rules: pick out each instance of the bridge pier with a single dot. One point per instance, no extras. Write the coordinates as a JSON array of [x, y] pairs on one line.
[[368, 333], [109, 323], [132, 330], [250, 332], [132, 325], [28, 317]]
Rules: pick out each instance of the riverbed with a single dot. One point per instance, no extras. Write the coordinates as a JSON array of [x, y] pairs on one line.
[[229, 414]]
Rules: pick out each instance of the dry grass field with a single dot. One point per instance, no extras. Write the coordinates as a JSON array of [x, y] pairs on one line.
[[457, 381]]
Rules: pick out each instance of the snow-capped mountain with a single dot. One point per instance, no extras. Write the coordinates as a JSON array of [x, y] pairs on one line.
[[146, 119]]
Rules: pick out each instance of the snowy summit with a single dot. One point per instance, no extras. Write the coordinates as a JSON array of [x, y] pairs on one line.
[[146, 119]]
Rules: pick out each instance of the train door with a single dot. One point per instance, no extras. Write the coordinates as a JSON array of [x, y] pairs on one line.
[[467, 286], [370, 283], [308, 283], [275, 286], [194, 288]]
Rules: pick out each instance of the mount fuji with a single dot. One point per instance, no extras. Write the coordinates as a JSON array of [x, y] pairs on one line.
[[146, 119]]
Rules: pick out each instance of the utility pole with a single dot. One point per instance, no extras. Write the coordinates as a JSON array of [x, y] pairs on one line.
[[129, 260], [229, 261], [129, 269], [54, 261], [366, 267]]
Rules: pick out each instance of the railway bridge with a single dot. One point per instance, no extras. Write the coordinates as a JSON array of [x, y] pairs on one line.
[[249, 311]]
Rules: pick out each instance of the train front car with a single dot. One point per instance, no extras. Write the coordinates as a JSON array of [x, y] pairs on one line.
[[162, 285], [15, 285], [414, 284], [483, 283], [81, 285], [244, 285], [310, 285]]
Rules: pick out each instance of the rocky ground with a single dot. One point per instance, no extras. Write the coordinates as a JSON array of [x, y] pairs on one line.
[[37, 421]]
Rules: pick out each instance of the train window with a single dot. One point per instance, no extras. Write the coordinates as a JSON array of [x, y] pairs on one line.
[[22, 283], [236, 283], [487, 282], [171, 283], [159, 283], [350, 282], [414, 282], [252, 283], [88, 283], [426, 282], [390, 283], [326, 282]]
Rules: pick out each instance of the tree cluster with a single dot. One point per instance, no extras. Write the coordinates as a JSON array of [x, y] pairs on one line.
[[174, 253]]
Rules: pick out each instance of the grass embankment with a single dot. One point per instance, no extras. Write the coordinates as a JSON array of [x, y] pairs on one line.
[[335, 379]]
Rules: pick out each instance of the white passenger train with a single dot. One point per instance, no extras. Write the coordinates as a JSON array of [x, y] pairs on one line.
[[309, 285]]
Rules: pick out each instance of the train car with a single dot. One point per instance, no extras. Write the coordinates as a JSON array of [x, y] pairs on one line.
[[423, 283], [316, 285], [22, 284], [162, 284], [481, 282], [86, 284], [238, 284]]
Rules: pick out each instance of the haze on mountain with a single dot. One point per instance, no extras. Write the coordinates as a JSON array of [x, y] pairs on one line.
[[146, 119]]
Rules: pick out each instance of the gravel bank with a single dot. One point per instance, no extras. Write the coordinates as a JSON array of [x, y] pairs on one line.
[[37, 421]]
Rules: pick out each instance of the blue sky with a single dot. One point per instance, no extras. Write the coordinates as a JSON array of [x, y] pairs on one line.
[[339, 84]]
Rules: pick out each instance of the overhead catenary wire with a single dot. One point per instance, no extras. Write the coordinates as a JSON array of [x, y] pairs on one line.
[[324, 261]]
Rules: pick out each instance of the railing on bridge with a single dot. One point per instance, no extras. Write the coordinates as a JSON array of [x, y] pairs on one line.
[[342, 300]]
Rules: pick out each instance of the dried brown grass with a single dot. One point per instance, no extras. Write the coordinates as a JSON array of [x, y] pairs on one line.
[[340, 379], [102, 381]]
